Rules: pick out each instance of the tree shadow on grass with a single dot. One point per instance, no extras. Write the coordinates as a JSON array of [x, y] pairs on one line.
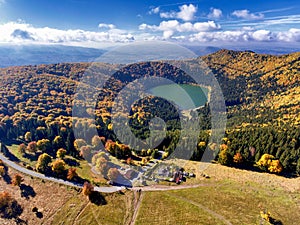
[[6, 177], [97, 198], [27, 191], [31, 157], [11, 157], [19, 221], [71, 162], [39, 215], [12, 210], [275, 222]]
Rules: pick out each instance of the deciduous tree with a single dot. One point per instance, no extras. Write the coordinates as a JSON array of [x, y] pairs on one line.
[[61, 153], [72, 173], [102, 166], [96, 142], [44, 145], [86, 152], [113, 174], [58, 143], [9, 207], [224, 157], [97, 156], [28, 136], [2, 171], [17, 180], [78, 143], [238, 158], [58, 166], [275, 166], [22, 149], [87, 189], [32, 147], [42, 163], [268, 162]]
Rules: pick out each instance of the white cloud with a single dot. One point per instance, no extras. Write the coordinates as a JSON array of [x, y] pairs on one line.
[[186, 13], [171, 27], [106, 25], [20, 32], [206, 26], [292, 35], [23, 33], [221, 36], [245, 14], [263, 35], [167, 34], [2, 2], [144, 26], [154, 10], [215, 13]]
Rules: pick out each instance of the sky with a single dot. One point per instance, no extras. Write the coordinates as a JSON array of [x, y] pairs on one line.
[[92, 23]]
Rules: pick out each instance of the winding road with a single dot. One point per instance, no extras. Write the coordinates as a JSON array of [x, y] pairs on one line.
[[53, 179], [96, 188]]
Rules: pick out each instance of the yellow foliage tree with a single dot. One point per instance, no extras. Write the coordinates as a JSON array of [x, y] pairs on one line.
[[61, 153], [275, 166], [265, 160], [202, 144], [58, 166], [268, 162]]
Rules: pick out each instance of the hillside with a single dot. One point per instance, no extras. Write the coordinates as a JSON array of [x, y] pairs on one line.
[[254, 83], [261, 94], [232, 198], [56, 203]]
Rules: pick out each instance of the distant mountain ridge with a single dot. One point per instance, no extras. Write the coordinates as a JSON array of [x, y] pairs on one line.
[[19, 55]]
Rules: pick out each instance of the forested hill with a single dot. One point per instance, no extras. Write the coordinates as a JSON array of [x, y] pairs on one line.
[[262, 95], [246, 63], [250, 81], [254, 74], [262, 86]]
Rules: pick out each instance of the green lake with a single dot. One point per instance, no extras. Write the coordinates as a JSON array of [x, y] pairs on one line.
[[186, 96]]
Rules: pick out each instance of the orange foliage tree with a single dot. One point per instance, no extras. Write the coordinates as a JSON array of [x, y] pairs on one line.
[[87, 189], [17, 180], [238, 158]]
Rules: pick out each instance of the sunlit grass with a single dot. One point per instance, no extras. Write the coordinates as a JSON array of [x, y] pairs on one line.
[[13, 148], [237, 203], [78, 210]]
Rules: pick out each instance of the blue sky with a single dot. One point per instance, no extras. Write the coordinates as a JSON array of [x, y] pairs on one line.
[[104, 23]]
